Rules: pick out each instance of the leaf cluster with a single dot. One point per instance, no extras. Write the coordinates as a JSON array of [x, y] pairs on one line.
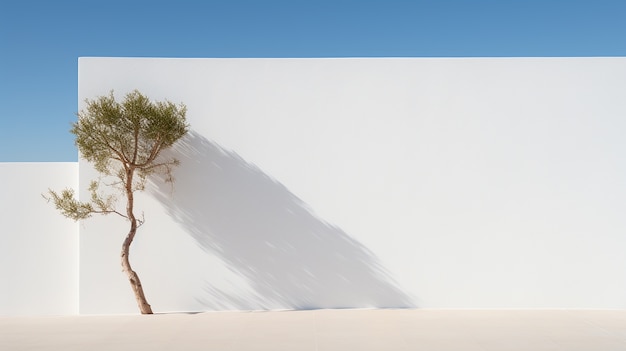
[[66, 203], [122, 140], [132, 132]]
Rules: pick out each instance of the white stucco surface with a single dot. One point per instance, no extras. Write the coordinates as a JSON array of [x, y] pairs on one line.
[[441, 183], [38, 247]]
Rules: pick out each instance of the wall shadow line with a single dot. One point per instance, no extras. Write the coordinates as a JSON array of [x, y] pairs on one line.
[[290, 258]]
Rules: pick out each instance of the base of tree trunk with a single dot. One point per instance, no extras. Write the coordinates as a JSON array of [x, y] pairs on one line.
[[142, 302]]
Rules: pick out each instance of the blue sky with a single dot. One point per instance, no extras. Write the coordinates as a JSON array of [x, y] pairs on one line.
[[40, 42]]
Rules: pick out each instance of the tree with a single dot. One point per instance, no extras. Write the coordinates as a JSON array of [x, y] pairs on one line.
[[124, 142]]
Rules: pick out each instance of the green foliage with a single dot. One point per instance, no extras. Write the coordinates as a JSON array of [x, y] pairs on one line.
[[122, 140], [68, 205], [132, 132]]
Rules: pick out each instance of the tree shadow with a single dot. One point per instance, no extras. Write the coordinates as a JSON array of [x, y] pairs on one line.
[[290, 258]]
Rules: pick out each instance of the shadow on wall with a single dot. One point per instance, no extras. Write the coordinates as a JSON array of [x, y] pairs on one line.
[[289, 258]]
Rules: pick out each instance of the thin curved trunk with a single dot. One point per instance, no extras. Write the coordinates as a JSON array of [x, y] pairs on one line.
[[135, 283]]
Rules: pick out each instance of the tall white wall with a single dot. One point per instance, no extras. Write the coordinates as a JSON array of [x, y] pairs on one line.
[[38, 246], [306, 183]]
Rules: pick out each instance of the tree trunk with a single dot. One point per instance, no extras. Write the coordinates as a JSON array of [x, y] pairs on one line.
[[135, 283]]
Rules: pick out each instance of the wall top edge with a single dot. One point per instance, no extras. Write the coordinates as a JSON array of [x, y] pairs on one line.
[[39, 163], [360, 58]]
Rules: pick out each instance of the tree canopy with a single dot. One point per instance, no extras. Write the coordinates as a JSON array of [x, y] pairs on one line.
[[121, 137]]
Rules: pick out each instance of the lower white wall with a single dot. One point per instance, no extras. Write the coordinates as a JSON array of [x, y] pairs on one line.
[[308, 183], [38, 246]]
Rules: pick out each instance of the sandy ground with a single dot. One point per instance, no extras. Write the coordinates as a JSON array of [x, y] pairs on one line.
[[352, 330]]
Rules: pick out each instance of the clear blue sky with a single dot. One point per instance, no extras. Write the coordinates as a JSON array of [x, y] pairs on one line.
[[40, 42]]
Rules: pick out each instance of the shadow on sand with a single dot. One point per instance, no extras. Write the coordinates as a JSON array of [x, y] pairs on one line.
[[290, 258]]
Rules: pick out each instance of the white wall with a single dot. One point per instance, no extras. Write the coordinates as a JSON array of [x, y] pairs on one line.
[[444, 183], [38, 246]]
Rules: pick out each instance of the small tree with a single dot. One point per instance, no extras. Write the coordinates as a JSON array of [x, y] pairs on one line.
[[123, 141]]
